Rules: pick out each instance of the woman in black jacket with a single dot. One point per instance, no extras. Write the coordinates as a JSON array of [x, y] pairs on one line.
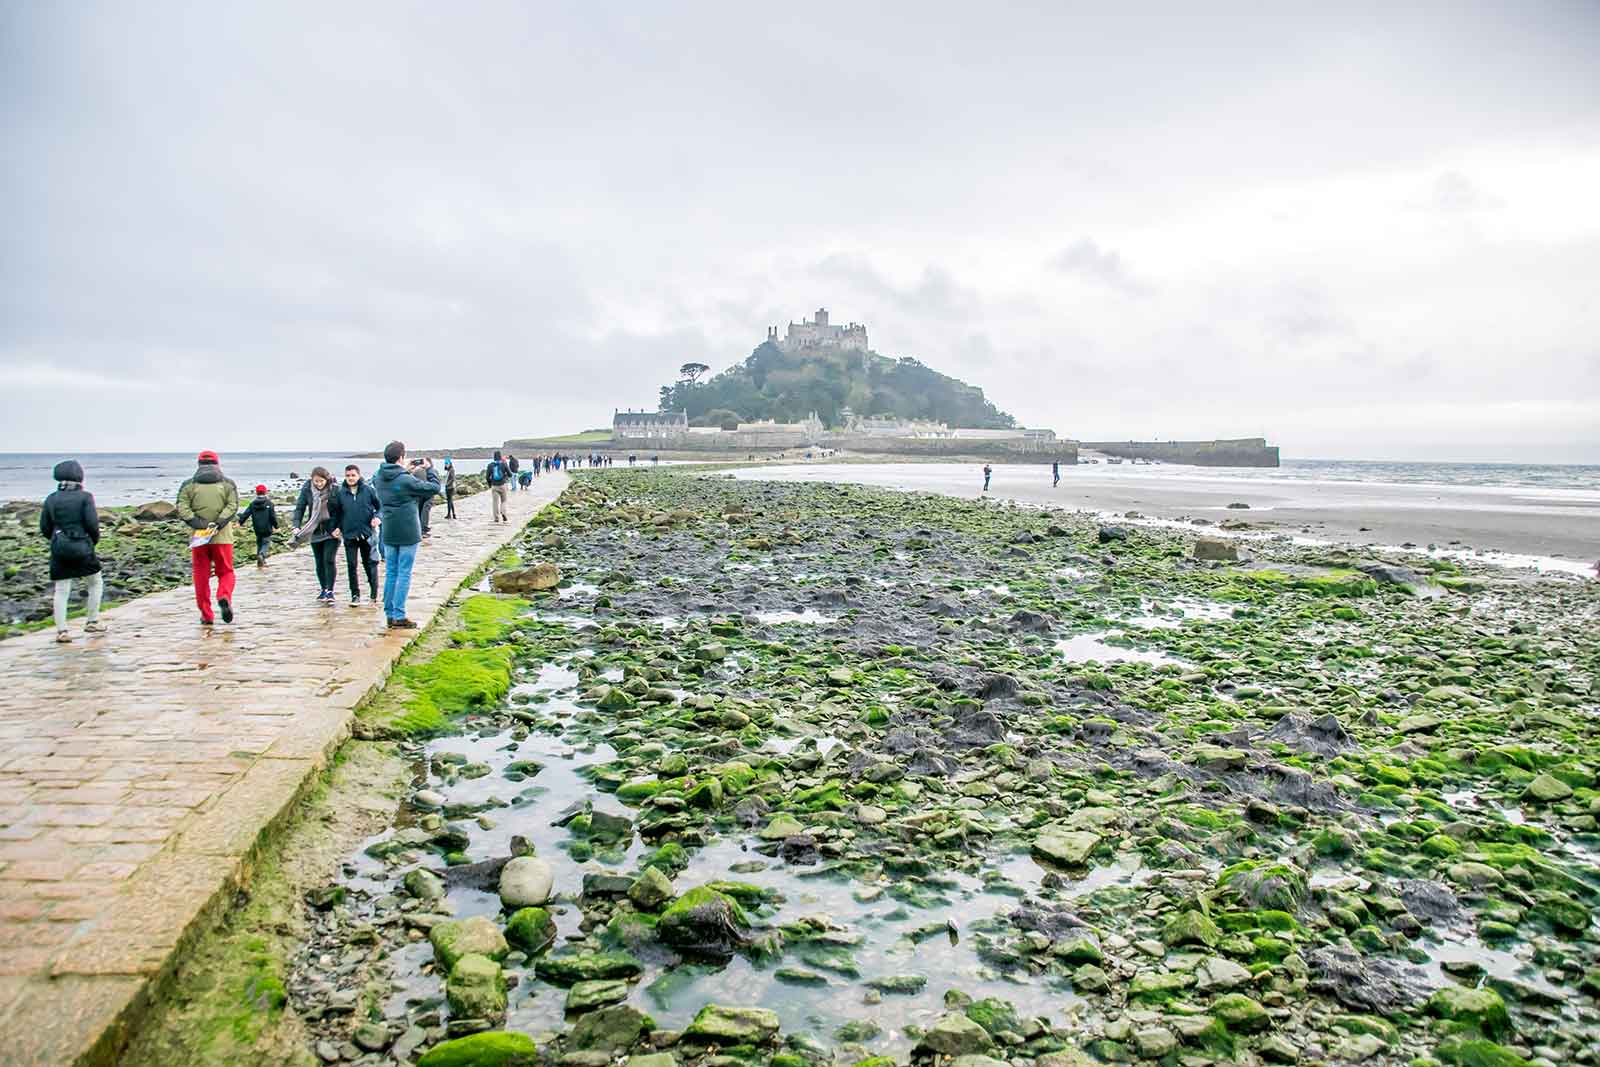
[[71, 523], [315, 521]]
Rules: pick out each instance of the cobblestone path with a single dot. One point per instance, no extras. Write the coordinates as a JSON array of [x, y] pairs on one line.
[[139, 769]]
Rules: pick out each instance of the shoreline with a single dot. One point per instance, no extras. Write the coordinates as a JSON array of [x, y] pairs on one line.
[[1561, 527]]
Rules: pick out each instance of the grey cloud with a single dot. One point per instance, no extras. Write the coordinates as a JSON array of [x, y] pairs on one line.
[[1085, 258]]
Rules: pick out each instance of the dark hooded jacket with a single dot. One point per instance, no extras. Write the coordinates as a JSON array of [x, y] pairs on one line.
[[209, 497], [262, 515], [398, 494], [354, 509], [72, 524]]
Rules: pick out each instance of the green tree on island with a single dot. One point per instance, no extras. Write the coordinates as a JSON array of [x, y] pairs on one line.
[[788, 386]]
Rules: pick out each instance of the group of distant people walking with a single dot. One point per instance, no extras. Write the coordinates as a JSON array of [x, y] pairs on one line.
[[384, 519]]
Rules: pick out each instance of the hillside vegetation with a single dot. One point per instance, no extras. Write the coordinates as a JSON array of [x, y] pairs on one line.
[[773, 384]]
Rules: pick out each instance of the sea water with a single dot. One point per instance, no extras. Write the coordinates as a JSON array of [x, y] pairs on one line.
[[140, 477]]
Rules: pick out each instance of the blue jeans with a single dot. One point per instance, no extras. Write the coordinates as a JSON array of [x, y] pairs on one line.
[[397, 563]]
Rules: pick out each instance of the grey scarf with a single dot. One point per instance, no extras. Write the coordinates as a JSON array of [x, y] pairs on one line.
[[318, 514]]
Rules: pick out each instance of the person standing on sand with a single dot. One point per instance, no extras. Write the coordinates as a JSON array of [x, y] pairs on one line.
[[398, 494], [449, 488], [496, 475], [355, 511], [208, 503], [988, 471], [263, 520], [72, 524], [314, 522], [1055, 475]]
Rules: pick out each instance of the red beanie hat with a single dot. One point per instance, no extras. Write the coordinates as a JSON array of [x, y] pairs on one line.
[[261, 489], [209, 456]]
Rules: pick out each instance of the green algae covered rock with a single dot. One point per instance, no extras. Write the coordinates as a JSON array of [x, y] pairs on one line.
[[531, 929], [1240, 1014], [994, 1015], [611, 1029], [1479, 1053], [1191, 928], [565, 970], [475, 989], [955, 1035], [704, 920], [1265, 884], [494, 1048], [1482, 1009], [1065, 848], [1546, 789], [455, 938], [726, 1025]]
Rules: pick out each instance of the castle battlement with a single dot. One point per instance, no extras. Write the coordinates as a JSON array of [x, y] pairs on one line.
[[818, 332]]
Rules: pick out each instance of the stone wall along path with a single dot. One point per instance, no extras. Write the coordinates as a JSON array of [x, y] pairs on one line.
[[140, 769]]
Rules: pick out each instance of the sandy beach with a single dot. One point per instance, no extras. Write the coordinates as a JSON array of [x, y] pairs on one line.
[[1555, 528]]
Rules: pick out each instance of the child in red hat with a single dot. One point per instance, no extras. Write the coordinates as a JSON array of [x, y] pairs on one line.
[[263, 520]]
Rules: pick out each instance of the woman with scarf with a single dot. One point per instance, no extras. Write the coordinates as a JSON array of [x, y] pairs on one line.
[[315, 522], [71, 523]]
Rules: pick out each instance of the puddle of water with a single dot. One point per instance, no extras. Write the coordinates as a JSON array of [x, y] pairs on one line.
[[809, 617], [1086, 647], [1154, 615], [577, 589]]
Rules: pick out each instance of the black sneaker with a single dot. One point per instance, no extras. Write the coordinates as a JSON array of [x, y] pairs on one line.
[[355, 600], [206, 622], [226, 609]]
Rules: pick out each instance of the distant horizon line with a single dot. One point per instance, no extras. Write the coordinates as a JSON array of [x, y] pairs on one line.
[[365, 452]]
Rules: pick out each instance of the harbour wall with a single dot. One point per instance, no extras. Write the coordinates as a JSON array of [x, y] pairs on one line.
[[1237, 452]]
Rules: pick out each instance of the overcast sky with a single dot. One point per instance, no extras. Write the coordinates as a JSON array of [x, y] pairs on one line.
[[1363, 230]]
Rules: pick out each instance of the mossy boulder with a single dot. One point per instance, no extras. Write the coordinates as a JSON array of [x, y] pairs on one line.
[[1482, 1009], [1240, 1013], [955, 1035], [704, 920], [611, 1029], [565, 970], [724, 1025], [531, 930], [493, 1048], [1264, 884], [475, 988], [1192, 927], [455, 938]]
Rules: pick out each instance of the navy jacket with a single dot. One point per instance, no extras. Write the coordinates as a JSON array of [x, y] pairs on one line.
[[263, 516], [398, 494], [353, 512], [72, 524]]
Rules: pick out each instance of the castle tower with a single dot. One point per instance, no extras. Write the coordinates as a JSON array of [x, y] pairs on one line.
[[822, 317]]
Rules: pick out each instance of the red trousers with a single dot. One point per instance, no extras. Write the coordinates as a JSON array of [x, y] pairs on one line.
[[204, 559]]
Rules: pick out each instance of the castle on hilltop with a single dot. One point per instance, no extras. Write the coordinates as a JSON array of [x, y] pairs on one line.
[[818, 332]]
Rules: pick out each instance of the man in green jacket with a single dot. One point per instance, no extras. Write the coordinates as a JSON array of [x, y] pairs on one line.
[[208, 502]]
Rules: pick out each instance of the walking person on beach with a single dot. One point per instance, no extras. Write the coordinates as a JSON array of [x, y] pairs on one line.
[[1055, 475], [398, 493], [449, 488], [496, 475], [208, 502], [314, 522], [988, 471], [72, 524], [355, 509], [263, 520]]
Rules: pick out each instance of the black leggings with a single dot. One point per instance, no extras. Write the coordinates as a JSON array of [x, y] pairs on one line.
[[360, 549], [449, 503], [324, 553]]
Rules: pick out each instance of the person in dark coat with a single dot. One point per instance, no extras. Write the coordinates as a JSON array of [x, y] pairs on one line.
[[398, 493], [72, 524], [263, 520], [355, 507], [449, 488], [314, 522]]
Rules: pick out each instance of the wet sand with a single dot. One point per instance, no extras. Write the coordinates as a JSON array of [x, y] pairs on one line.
[[1561, 527]]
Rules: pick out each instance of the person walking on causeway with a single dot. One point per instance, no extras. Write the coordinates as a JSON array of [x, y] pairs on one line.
[[314, 521], [71, 523], [398, 494], [208, 503], [449, 488], [263, 520], [497, 474], [355, 511]]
